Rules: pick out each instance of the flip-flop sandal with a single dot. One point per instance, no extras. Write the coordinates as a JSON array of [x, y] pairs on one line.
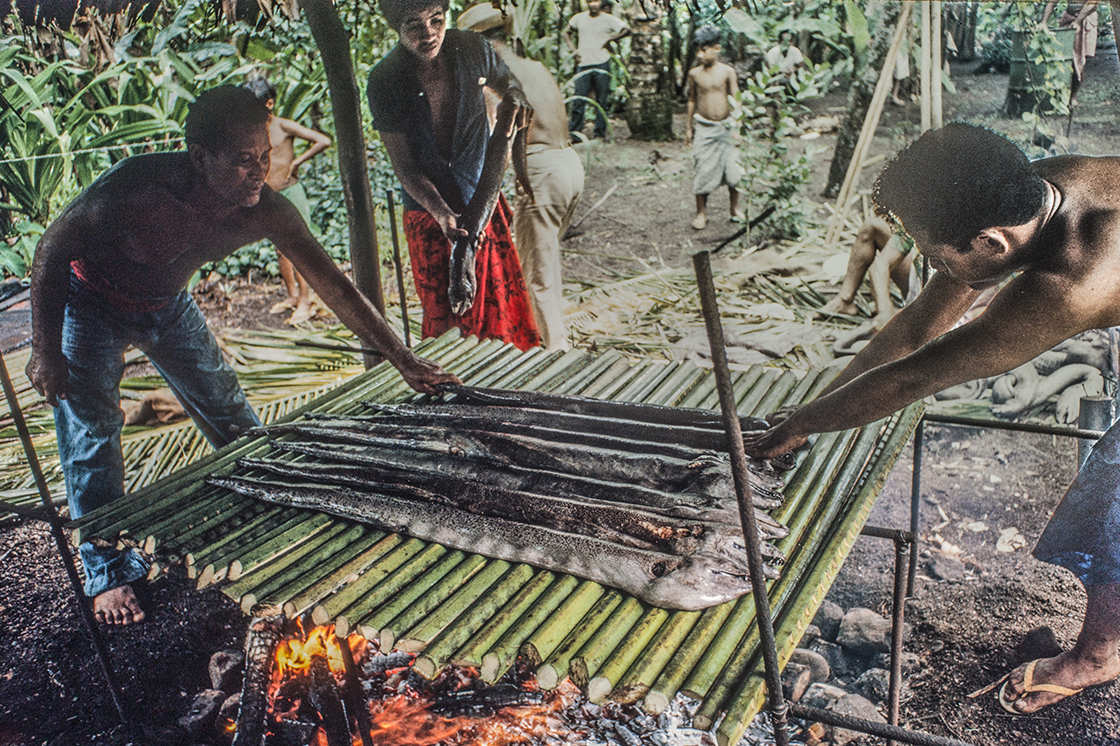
[[1028, 687]]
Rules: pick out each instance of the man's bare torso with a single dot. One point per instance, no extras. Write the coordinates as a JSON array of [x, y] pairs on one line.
[[146, 234], [550, 120], [435, 80], [711, 87]]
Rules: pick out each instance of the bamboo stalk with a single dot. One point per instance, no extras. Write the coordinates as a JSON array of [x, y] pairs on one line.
[[936, 112], [388, 574], [686, 656], [311, 555], [501, 656], [547, 636], [248, 515], [315, 573], [639, 390], [826, 564], [645, 670], [438, 652], [589, 659], [625, 654], [258, 556], [432, 621], [471, 653], [218, 507], [343, 574], [429, 591], [216, 563], [263, 524], [555, 667]]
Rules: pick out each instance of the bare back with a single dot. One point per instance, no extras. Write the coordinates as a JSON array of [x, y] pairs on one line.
[[281, 156], [550, 120], [709, 88]]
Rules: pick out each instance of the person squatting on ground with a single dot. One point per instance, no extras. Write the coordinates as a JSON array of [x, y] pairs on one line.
[[710, 127], [110, 272], [596, 30], [982, 212], [283, 177], [555, 176], [888, 257], [426, 97]]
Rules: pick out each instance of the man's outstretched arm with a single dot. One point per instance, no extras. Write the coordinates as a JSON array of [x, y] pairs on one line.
[[294, 240], [1027, 318]]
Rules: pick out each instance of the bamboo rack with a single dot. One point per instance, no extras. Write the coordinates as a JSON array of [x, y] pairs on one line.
[[450, 606]]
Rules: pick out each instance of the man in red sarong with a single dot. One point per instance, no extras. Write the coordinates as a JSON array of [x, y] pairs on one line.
[[426, 97]]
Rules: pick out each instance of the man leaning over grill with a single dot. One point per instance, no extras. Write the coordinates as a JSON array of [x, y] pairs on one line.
[[982, 212], [111, 271]]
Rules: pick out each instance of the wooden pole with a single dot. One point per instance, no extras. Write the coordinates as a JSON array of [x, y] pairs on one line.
[[870, 122], [334, 45], [935, 84], [927, 114]]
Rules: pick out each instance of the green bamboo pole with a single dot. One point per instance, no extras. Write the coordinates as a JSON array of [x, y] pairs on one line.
[[590, 657], [471, 653], [704, 389], [600, 685], [263, 524], [716, 693], [638, 376], [220, 508], [639, 390], [639, 679], [555, 666], [181, 545], [429, 623], [259, 555], [311, 554], [555, 370], [403, 562], [307, 600], [747, 698], [371, 540], [453, 634], [777, 394], [594, 388], [213, 561], [750, 400], [501, 656], [547, 636], [406, 608], [686, 656]]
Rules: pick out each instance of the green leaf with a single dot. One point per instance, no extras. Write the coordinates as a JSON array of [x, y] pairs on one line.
[[857, 27]]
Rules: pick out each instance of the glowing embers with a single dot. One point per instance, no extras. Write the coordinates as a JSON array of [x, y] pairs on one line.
[[324, 691]]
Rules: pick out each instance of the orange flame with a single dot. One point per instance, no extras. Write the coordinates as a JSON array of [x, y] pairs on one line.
[[293, 656]]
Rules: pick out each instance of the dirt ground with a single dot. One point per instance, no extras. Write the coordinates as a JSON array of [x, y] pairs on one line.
[[975, 485]]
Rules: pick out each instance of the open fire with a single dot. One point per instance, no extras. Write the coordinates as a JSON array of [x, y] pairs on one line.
[[324, 690]]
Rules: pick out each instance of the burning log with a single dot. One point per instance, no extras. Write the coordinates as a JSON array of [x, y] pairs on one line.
[[264, 635], [323, 695], [485, 701]]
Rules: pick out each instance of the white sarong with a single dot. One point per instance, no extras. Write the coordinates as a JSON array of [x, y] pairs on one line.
[[715, 159]]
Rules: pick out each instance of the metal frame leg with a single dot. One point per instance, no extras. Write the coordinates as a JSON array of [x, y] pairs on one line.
[[49, 514], [915, 505]]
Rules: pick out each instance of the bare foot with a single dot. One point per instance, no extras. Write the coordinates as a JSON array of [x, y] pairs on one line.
[[839, 305], [118, 606], [303, 312], [700, 221], [1064, 671], [284, 305], [738, 217]]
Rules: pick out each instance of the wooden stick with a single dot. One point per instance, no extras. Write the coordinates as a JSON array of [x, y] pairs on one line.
[[924, 68], [935, 83], [572, 228]]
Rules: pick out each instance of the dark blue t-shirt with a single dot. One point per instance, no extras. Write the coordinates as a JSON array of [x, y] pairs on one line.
[[398, 104]]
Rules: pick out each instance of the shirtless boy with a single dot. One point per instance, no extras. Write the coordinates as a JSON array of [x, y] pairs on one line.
[[710, 128], [283, 178], [555, 175], [982, 213], [110, 272]]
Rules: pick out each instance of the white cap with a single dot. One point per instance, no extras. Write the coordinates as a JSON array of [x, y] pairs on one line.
[[481, 17]]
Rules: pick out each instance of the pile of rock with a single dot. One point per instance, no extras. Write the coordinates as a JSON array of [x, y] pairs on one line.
[[843, 665], [213, 710]]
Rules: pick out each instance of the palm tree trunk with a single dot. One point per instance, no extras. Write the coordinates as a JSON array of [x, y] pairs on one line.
[[649, 113], [334, 45]]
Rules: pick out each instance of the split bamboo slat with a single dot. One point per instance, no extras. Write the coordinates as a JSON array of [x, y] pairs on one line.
[[451, 606]]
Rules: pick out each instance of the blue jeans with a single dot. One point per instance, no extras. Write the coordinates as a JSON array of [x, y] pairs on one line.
[[591, 78], [95, 335]]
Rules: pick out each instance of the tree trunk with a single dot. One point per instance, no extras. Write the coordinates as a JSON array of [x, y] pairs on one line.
[[334, 45], [649, 113], [863, 88]]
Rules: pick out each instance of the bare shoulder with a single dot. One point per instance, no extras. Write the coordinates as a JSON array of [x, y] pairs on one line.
[[136, 185], [725, 69]]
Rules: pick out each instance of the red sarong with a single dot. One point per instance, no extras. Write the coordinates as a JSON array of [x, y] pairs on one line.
[[501, 307]]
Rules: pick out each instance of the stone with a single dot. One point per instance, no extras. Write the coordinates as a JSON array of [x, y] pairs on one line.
[[874, 683], [812, 632], [796, 678], [864, 633], [828, 619], [1038, 643], [910, 661], [839, 663], [823, 696], [814, 661], [225, 670], [204, 711], [856, 706], [946, 568]]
